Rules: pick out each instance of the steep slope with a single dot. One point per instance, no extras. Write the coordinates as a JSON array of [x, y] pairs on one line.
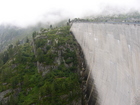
[[43, 72]]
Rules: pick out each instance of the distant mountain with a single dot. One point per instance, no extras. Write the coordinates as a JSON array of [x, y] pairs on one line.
[[10, 34]]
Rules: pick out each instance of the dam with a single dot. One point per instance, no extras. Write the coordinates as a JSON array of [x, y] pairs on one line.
[[112, 54]]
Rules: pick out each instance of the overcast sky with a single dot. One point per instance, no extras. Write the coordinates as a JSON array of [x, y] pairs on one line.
[[26, 12]]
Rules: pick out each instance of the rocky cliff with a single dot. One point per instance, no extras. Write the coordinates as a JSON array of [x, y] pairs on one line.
[[45, 71]]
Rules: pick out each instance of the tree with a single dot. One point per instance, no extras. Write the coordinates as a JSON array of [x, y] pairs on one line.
[[18, 42], [19, 56], [1, 62], [27, 40], [51, 26], [10, 51], [69, 21], [34, 34], [5, 57], [40, 55], [10, 46]]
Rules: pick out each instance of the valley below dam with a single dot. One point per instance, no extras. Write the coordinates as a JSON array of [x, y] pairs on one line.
[[112, 54]]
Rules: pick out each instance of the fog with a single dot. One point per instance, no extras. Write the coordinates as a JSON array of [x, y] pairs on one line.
[[29, 12]]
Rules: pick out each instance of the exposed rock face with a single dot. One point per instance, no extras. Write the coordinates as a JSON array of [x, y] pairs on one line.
[[3, 99], [43, 68], [112, 53]]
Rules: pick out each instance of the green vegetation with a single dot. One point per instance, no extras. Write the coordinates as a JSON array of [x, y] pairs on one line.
[[10, 34], [133, 17], [31, 85]]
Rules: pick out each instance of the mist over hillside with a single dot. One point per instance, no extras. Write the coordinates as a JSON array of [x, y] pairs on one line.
[[10, 34]]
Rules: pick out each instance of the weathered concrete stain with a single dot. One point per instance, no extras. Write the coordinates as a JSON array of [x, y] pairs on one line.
[[112, 53]]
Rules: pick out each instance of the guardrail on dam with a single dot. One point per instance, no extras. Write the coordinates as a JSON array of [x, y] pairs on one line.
[[112, 53]]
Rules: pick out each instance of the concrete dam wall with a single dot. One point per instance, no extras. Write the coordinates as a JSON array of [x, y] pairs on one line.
[[112, 53]]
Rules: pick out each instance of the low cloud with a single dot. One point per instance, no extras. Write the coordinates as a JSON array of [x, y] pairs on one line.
[[29, 12]]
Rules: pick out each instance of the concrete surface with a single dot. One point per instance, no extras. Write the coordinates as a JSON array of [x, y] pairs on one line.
[[112, 52]]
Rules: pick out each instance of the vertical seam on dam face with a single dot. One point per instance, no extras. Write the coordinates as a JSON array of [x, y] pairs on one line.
[[112, 54]]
